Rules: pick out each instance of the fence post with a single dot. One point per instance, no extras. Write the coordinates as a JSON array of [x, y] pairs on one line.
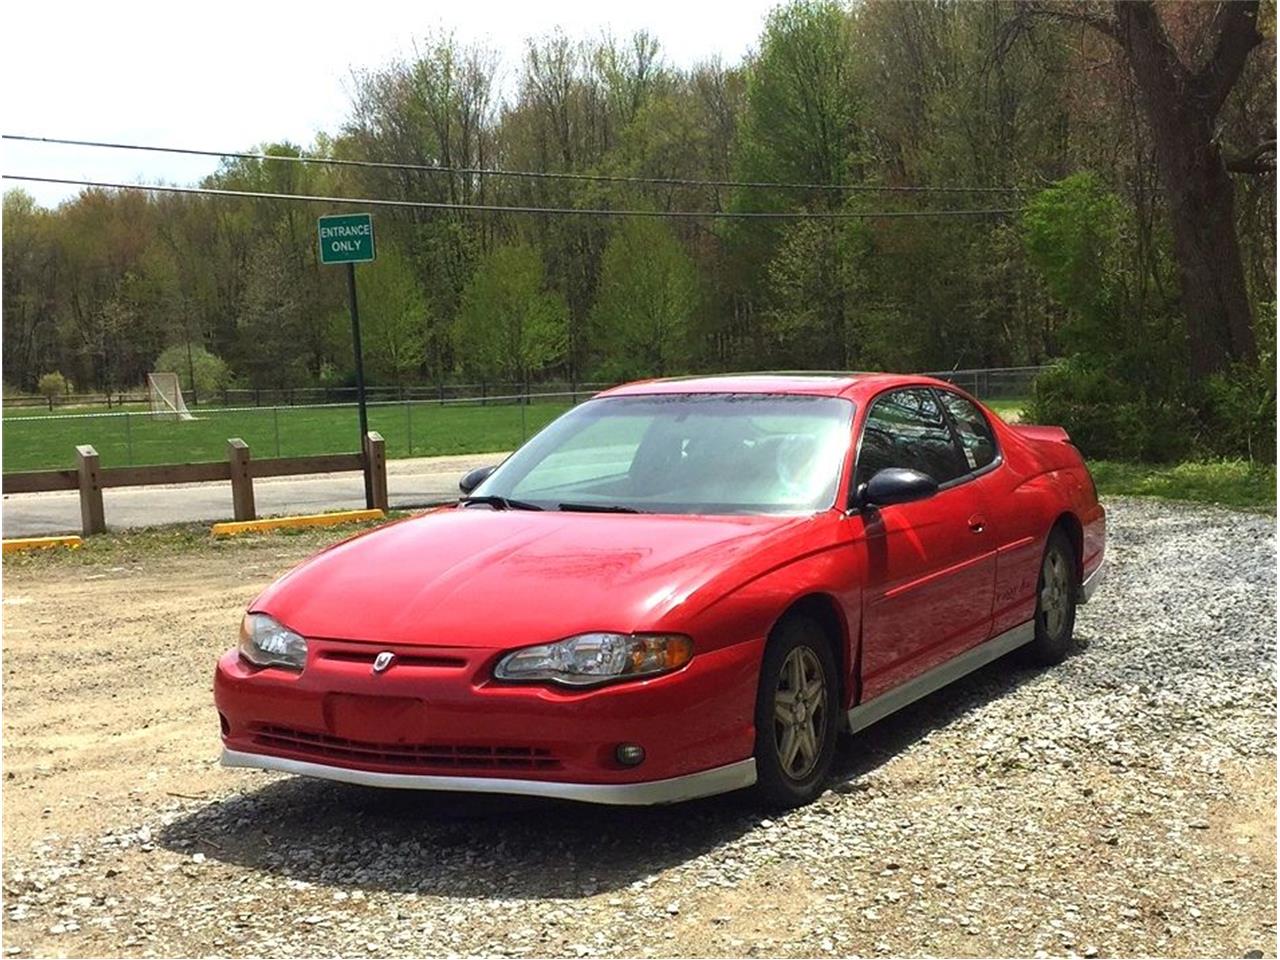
[[375, 465], [92, 519], [241, 480]]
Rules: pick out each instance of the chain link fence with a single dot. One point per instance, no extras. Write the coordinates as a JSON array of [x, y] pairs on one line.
[[420, 422]]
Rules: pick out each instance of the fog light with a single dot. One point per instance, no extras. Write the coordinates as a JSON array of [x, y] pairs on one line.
[[629, 754]]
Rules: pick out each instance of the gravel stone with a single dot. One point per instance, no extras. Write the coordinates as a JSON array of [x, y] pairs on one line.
[[1120, 803]]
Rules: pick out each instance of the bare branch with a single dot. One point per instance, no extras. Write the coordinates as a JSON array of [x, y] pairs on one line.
[[1087, 15], [1260, 160]]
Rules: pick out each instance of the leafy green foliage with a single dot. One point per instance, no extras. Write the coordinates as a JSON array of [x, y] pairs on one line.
[[1239, 410], [648, 295], [211, 373], [510, 326], [1109, 417], [395, 320], [1073, 234], [53, 385], [1123, 393]]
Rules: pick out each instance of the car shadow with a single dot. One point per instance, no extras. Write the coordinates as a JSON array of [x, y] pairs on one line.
[[493, 847]]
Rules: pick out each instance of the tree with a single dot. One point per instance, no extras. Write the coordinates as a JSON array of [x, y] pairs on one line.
[[1182, 101], [394, 316], [271, 324], [647, 299], [188, 359], [510, 326], [803, 123], [31, 286], [53, 385]]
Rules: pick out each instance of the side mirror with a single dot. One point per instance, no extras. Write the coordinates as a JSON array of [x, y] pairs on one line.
[[473, 478], [895, 485]]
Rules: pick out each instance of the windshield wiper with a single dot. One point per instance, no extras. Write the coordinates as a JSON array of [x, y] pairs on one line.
[[501, 503], [598, 508]]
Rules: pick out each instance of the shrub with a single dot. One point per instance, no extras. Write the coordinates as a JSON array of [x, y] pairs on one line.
[[1238, 411], [210, 370], [1110, 417], [53, 385]]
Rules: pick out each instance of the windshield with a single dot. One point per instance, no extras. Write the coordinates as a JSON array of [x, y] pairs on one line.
[[684, 453]]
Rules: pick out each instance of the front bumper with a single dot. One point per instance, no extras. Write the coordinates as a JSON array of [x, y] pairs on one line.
[[436, 720], [732, 776]]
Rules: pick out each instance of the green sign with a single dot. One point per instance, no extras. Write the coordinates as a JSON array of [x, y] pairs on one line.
[[346, 239]]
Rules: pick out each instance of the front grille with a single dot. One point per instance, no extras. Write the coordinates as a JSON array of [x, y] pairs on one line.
[[402, 660], [405, 755]]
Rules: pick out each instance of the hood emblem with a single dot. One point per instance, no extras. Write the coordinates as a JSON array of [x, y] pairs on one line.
[[382, 661]]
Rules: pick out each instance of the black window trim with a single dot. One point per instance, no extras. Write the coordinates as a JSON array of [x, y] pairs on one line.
[[951, 427]]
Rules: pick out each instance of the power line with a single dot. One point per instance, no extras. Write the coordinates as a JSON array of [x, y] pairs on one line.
[[497, 208], [526, 174]]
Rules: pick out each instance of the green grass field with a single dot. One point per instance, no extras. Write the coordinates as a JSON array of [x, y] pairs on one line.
[[36, 440], [33, 441], [1232, 483]]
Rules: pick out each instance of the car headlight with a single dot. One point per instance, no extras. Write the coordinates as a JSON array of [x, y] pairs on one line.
[[591, 658], [269, 643]]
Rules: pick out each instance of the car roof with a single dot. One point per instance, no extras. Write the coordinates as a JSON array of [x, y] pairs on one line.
[[813, 383]]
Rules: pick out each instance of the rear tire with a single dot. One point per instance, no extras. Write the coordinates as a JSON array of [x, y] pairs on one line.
[[796, 711], [1055, 602]]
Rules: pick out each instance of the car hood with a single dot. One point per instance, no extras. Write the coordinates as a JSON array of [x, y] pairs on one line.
[[487, 578]]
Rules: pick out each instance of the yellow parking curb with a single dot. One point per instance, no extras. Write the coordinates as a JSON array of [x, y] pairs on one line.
[[231, 528], [40, 543]]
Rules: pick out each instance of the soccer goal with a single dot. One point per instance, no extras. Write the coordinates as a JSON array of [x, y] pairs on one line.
[[165, 395]]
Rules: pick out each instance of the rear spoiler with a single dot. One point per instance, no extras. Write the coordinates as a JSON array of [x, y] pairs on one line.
[[1047, 434]]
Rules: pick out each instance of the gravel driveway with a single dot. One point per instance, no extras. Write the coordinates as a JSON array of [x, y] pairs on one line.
[[1121, 803]]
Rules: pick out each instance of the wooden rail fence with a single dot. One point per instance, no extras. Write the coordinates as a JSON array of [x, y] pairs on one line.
[[90, 478]]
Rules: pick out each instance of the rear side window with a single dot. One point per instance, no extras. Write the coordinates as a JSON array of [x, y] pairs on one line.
[[907, 428], [976, 438]]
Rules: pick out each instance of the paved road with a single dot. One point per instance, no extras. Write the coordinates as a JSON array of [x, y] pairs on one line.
[[409, 483]]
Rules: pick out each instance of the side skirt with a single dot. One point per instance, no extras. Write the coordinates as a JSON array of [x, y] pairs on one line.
[[868, 713]]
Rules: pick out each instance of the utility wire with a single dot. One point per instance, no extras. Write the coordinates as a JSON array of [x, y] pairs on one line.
[[497, 208], [526, 174]]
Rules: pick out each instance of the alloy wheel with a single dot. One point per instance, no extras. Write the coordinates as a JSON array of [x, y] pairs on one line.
[[800, 712], [1055, 597]]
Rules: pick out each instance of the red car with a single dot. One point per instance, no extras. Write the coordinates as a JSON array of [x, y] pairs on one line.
[[679, 588]]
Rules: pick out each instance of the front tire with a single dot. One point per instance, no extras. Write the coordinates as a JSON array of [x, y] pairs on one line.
[[1055, 602], [796, 711]]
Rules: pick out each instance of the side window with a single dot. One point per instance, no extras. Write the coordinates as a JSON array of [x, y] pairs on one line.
[[907, 428], [973, 429]]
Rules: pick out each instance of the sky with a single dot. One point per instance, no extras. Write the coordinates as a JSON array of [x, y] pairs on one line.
[[230, 75]]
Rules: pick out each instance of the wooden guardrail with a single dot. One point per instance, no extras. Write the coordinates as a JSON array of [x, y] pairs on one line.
[[90, 478]]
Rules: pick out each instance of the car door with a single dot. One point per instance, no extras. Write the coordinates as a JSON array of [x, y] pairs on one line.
[[1011, 527], [930, 566]]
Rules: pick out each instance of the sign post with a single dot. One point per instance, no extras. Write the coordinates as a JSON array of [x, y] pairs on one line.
[[349, 239]]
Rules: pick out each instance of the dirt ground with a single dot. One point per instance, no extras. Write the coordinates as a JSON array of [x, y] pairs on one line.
[[109, 728]]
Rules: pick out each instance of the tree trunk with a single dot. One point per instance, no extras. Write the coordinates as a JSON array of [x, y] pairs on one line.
[[1182, 107], [1214, 295]]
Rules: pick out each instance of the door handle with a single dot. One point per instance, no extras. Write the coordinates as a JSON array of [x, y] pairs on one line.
[[977, 523]]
